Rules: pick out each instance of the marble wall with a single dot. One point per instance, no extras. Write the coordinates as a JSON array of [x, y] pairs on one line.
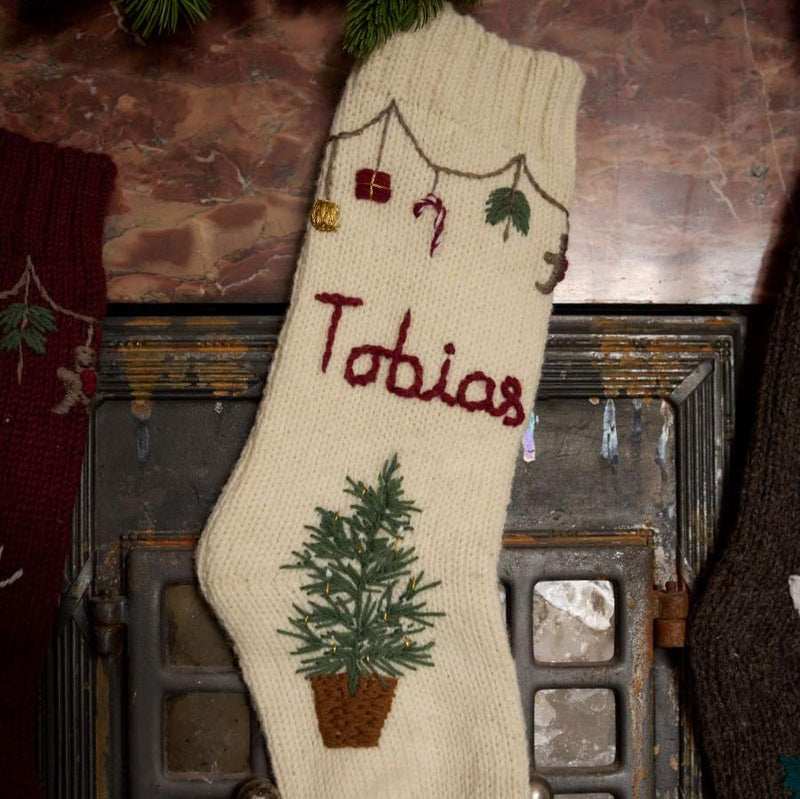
[[687, 141]]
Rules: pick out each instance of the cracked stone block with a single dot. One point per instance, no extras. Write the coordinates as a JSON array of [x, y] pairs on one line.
[[574, 728], [573, 621]]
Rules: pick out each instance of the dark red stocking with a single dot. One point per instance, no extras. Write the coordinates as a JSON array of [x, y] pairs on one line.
[[52, 298]]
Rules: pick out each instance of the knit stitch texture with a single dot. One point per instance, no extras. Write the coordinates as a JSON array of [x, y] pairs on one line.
[[745, 639], [425, 365], [52, 204]]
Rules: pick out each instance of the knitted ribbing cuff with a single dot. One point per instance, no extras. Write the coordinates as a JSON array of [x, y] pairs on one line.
[[52, 207]]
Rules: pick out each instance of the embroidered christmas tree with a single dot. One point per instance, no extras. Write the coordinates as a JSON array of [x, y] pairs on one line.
[[366, 619]]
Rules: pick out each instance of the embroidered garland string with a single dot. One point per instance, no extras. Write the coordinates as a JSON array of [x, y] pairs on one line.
[[392, 110], [518, 210]]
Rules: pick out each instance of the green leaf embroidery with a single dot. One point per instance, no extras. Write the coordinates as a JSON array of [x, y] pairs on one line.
[[504, 204], [10, 341], [26, 324], [43, 318], [365, 610], [791, 766]]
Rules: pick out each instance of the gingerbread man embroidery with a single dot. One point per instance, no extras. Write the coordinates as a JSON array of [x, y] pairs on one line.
[[558, 260], [80, 383]]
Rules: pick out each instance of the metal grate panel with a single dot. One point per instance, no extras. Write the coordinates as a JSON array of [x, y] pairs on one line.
[[626, 561]]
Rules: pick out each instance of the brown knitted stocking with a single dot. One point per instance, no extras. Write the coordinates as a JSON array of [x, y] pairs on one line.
[[746, 634], [52, 297]]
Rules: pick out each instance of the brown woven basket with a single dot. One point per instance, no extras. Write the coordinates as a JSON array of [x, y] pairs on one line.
[[346, 720]]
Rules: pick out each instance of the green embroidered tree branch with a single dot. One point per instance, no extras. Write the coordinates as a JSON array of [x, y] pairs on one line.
[[365, 613]]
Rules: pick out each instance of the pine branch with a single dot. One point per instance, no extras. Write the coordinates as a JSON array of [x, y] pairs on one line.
[[146, 17], [359, 618], [371, 23]]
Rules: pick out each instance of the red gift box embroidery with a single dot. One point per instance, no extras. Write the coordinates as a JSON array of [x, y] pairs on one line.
[[373, 185]]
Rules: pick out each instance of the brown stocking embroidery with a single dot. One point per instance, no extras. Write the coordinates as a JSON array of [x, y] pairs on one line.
[[558, 260]]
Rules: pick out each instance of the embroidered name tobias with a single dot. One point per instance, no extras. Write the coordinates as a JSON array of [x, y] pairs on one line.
[[475, 392]]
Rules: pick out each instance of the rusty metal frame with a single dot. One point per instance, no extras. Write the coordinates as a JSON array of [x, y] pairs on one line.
[[152, 567], [689, 361], [625, 561]]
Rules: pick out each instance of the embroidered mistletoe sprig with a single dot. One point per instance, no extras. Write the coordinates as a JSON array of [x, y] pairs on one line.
[[365, 611], [791, 767]]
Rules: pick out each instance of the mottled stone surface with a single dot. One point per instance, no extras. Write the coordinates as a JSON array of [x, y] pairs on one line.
[[574, 728], [687, 138], [573, 621]]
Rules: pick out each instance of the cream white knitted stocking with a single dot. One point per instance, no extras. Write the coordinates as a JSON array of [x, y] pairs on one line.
[[414, 341]]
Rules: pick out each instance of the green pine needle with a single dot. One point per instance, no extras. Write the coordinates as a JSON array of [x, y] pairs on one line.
[[146, 17], [371, 23], [368, 23], [364, 613]]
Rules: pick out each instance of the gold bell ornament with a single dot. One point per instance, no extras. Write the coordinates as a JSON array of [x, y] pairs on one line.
[[325, 216]]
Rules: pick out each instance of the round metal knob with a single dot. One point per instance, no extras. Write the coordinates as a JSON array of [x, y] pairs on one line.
[[258, 789], [540, 789]]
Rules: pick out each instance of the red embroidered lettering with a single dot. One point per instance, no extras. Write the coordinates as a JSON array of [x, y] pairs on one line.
[[371, 374], [338, 301], [439, 388], [510, 409], [483, 404], [399, 357], [511, 389]]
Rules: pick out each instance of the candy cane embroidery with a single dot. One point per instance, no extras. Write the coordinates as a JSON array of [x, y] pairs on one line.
[[432, 201], [17, 575]]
